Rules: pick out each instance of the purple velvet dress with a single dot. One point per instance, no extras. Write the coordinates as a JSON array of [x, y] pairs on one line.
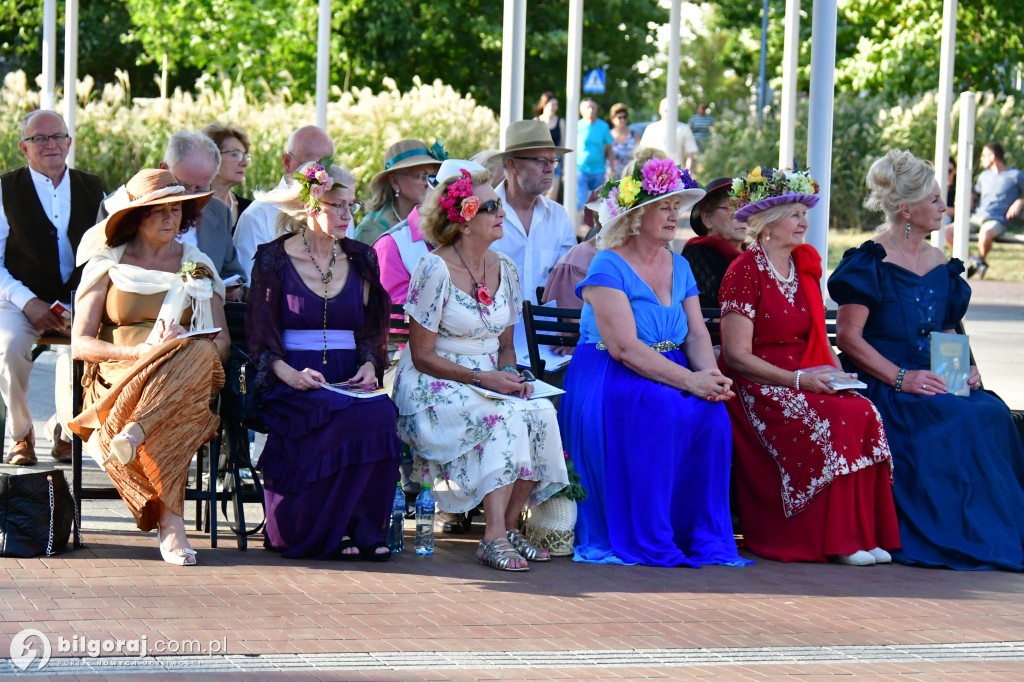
[[331, 462]]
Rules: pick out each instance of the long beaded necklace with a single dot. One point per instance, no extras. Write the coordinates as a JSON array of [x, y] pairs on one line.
[[325, 278]]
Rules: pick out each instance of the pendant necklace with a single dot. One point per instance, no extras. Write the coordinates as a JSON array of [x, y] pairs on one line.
[[480, 291], [325, 278]]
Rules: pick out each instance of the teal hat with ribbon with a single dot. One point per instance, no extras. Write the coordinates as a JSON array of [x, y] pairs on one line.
[[408, 154]]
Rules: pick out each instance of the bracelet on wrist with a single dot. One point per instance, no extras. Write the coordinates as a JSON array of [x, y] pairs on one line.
[[898, 386], [510, 368], [476, 376], [796, 380]]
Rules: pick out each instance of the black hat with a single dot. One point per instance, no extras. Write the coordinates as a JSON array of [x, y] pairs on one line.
[[715, 189]]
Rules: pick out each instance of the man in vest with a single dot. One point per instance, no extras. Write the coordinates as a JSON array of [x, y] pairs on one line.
[[45, 208]]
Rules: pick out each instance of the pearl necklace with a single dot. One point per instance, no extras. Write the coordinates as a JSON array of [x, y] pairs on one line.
[[777, 275], [325, 278]]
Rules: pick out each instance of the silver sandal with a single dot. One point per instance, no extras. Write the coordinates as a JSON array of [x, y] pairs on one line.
[[496, 554], [525, 549]]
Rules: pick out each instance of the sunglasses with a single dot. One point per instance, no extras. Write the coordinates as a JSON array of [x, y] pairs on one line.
[[490, 207]]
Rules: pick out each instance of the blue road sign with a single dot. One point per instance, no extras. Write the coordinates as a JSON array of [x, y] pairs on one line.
[[594, 82]]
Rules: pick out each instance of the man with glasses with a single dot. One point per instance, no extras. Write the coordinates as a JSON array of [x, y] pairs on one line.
[[256, 225], [537, 230], [46, 207], [193, 159]]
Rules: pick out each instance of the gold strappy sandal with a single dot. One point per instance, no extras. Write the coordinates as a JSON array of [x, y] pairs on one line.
[[525, 549], [499, 554]]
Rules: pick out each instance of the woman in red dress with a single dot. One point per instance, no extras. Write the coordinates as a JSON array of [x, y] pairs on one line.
[[812, 463]]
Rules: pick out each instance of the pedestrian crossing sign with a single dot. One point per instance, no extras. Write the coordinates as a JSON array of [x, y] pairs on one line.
[[594, 82]]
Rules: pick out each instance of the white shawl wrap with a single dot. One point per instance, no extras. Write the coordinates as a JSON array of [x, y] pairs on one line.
[[180, 293]]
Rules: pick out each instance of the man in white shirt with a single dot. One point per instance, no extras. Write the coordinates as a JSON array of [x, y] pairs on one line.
[[45, 208], [686, 144], [256, 225], [537, 230]]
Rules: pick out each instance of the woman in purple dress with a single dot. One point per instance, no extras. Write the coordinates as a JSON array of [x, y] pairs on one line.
[[318, 314]]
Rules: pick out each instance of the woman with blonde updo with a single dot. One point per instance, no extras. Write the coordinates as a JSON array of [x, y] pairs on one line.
[[463, 302], [317, 315], [813, 468], [959, 462]]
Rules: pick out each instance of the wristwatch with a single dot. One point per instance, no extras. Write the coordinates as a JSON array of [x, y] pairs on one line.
[[476, 376]]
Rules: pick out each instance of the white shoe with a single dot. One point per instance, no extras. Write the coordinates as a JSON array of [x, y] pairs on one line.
[[185, 556], [858, 558], [881, 556]]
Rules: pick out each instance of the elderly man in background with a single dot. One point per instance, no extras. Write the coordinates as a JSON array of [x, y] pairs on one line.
[[193, 159], [686, 149], [45, 208], [256, 224]]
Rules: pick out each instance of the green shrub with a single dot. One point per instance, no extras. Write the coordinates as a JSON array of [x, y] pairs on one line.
[[117, 135]]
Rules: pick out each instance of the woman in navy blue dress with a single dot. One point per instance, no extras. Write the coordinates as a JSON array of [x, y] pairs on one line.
[[642, 417], [318, 313], [958, 461]]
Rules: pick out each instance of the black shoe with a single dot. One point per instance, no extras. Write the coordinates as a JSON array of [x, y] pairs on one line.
[[982, 269], [973, 264]]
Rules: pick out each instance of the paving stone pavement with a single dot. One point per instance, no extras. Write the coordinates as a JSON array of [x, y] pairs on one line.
[[446, 617]]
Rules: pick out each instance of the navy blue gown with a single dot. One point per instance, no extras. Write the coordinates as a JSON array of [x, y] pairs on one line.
[[654, 461], [958, 461]]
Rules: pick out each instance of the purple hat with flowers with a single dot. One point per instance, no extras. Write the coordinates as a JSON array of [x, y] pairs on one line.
[[765, 187], [657, 180]]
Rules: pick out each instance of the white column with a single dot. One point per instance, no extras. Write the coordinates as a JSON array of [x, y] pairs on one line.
[[819, 124], [790, 53], [672, 88], [947, 58], [571, 113], [513, 64], [46, 97], [71, 73], [323, 63], [964, 173]]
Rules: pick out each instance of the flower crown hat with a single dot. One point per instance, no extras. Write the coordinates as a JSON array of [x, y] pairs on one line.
[[765, 187], [657, 180], [315, 180]]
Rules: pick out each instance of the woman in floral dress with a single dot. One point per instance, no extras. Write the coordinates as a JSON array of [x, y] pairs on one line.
[[813, 467], [472, 448]]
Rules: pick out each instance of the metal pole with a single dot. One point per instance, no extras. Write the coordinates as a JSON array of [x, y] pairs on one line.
[[790, 53], [947, 58], [964, 173], [573, 83], [762, 86], [323, 62], [672, 84], [819, 125], [71, 73], [47, 96], [513, 64]]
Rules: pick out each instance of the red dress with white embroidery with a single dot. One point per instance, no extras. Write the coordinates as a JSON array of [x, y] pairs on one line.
[[813, 471]]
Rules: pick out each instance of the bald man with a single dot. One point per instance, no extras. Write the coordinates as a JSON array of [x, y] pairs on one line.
[[256, 224], [45, 208]]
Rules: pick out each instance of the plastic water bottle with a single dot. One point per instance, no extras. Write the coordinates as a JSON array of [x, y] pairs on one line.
[[396, 532], [425, 521]]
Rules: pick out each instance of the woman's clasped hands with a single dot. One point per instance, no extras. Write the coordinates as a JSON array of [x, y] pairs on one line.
[[710, 385]]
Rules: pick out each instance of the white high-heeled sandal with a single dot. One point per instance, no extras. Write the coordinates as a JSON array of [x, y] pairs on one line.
[[183, 556], [124, 447]]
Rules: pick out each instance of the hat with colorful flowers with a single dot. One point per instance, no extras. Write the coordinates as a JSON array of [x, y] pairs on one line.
[[765, 187], [656, 180]]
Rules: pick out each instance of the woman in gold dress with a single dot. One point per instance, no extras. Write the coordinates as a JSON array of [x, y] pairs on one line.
[[147, 391]]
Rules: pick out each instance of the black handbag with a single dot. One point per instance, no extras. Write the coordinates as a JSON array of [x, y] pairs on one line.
[[36, 513], [243, 401]]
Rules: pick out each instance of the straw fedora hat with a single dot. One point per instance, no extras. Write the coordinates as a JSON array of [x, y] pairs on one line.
[[525, 135], [404, 154], [148, 187]]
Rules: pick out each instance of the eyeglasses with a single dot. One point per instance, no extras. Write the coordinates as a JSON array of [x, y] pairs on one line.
[[343, 207], [42, 140], [236, 154], [492, 207], [421, 176], [540, 161]]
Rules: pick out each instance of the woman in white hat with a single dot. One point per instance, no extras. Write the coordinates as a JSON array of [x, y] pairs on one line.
[[399, 188], [642, 416], [813, 474], [147, 392]]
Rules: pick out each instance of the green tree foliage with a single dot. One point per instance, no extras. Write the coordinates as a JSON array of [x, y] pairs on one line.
[[892, 48]]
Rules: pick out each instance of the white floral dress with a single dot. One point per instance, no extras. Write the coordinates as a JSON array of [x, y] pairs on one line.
[[466, 443]]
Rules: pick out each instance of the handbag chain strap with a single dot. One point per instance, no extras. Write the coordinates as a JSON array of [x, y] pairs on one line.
[[49, 541]]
